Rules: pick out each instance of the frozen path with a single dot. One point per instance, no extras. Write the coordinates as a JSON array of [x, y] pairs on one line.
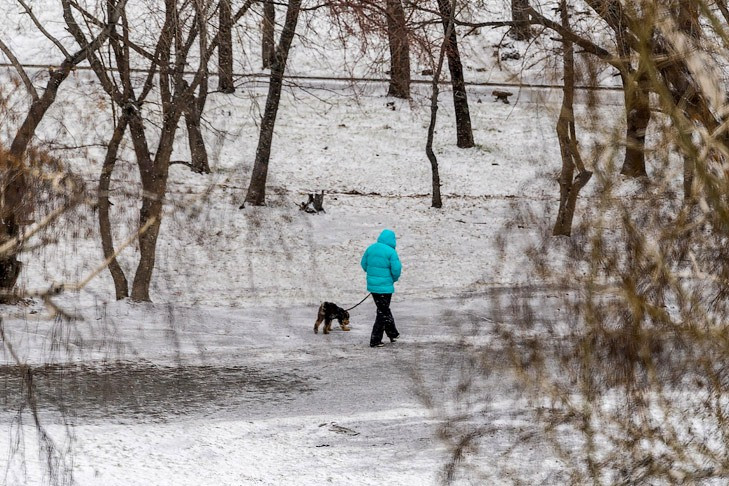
[[244, 396]]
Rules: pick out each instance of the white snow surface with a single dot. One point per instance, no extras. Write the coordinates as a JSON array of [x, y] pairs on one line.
[[236, 292], [255, 397], [260, 398]]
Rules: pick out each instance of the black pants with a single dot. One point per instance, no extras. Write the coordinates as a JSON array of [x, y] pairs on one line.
[[384, 322]]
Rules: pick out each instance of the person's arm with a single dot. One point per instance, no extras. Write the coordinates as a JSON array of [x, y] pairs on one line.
[[364, 261], [395, 267]]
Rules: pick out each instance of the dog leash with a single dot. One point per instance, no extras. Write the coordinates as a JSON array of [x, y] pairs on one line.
[[358, 303]]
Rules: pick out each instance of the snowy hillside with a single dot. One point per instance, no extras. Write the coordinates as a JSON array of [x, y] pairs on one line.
[[227, 384]]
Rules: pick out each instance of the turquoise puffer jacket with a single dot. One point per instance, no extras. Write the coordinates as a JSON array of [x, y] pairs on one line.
[[382, 264]]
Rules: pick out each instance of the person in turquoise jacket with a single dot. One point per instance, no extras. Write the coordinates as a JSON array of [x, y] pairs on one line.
[[383, 268]]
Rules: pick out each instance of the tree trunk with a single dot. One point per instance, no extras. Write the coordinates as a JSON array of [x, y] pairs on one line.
[[268, 41], [257, 189], [14, 187], [688, 18], [399, 50], [569, 189], [638, 116], [689, 166], [150, 216], [521, 30], [464, 133], [14, 180], [193, 110], [121, 286], [153, 174], [198, 153], [225, 48], [436, 200]]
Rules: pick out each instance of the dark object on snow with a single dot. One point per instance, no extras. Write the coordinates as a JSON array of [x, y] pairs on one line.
[[9, 272], [510, 56], [384, 322], [391, 105], [327, 313], [427, 72], [502, 95], [314, 205]]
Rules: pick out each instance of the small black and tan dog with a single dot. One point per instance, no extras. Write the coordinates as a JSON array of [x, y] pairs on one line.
[[327, 313]]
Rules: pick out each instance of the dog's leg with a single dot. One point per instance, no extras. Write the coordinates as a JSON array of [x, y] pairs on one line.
[[327, 326], [319, 318]]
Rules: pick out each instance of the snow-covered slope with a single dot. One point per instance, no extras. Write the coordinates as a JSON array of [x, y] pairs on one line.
[[260, 398]]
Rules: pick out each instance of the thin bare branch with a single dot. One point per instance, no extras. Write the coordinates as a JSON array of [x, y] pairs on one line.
[[585, 44], [40, 27], [19, 68], [130, 239]]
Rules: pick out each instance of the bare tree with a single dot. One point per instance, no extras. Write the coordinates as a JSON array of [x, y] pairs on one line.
[[623, 374], [268, 39], [183, 26], [225, 50], [436, 200], [569, 188], [257, 188], [636, 96], [464, 132], [13, 180], [193, 115], [521, 30], [397, 34], [121, 286], [635, 91]]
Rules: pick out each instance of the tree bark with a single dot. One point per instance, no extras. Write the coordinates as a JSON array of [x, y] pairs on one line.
[[154, 174], [257, 188], [150, 215], [464, 133], [399, 50], [14, 187], [638, 116], [436, 200], [225, 48], [193, 110], [167, 71], [198, 152], [121, 286], [569, 188], [268, 40], [689, 168], [14, 184], [521, 29], [13, 178]]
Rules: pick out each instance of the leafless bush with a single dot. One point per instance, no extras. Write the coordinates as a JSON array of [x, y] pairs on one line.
[[623, 362]]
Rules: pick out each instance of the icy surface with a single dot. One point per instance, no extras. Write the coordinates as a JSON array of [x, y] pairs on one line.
[[213, 396]]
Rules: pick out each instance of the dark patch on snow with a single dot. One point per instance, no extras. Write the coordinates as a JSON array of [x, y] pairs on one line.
[[127, 391]]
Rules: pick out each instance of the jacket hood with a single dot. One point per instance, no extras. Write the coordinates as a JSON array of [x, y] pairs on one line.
[[387, 237]]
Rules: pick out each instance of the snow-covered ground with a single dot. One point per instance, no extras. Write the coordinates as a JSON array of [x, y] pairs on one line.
[[220, 396], [221, 381]]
